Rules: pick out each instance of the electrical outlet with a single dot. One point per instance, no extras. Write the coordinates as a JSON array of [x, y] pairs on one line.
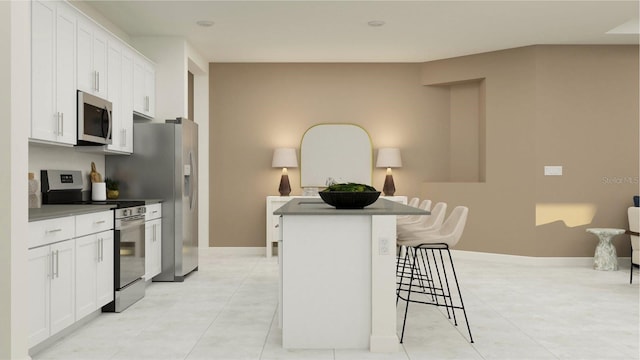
[[383, 246]]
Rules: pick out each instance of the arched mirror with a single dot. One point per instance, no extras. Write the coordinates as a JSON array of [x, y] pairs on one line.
[[342, 152]]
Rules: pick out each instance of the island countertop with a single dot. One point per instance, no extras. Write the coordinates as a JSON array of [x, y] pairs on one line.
[[315, 206]]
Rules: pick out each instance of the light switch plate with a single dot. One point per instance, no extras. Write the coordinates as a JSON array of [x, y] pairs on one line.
[[553, 170]]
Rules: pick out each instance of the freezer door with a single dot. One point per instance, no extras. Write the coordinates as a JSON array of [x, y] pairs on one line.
[[188, 180]]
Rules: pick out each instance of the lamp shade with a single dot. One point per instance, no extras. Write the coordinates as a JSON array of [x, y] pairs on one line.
[[389, 158], [284, 158]]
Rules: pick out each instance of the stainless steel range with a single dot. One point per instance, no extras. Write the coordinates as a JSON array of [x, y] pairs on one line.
[[65, 187]]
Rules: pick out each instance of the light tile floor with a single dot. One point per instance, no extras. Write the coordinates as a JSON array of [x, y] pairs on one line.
[[227, 310]]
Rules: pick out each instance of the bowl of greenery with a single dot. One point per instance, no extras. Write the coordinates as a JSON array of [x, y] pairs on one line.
[[349, 195]]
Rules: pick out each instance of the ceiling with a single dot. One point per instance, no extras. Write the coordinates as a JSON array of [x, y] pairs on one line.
[[337, 31]]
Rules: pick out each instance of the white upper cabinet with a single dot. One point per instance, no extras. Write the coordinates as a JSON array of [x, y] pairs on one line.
[[92, 50], [144, 87], [120, 77], [71, 52], [53, 76]]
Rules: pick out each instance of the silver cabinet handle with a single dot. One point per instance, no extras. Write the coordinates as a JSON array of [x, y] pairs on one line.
[[57, 263], [100, 222], [123, 139], [101, 257], [50, 258], [58, 131], [52, 231], [62, 124], [98, 87]]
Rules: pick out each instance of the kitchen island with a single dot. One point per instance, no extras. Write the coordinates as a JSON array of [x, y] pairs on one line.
[[337, 275]]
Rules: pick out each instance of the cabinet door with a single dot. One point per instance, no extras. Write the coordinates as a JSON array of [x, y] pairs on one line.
[[150, 89], [104, 273], [153, 244], [92, 59], [148, 245], [86, 288], [66, 98], [156, 264], [127, 101], [144, 83], [84, 51], [100, 51], [44, 119], [139, 94], [114, 72], [39, 269], [62, 285]]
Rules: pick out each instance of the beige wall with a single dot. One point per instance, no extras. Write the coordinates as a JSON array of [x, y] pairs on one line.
[[575, 106], [258, 107], [524, 123]]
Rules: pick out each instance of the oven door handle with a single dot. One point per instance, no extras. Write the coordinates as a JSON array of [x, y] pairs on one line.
[[131, 222]]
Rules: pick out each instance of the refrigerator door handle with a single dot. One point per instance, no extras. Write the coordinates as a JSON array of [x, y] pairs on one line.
[[191, 185]]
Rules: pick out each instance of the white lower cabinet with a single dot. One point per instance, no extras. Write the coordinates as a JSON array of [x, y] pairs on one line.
[[153, 244], [70, 271], [153, 241], [51, 289], [94, 272]]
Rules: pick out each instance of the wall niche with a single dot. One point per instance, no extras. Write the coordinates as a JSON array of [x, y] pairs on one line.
[[465, 121]]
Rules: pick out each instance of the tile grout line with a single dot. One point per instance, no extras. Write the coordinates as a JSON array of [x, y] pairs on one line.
[[266, 338], [222, 309], [500, 314]]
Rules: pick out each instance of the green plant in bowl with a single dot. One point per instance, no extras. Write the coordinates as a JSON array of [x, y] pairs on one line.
[[349, 195], [354, 187], [113, 188]]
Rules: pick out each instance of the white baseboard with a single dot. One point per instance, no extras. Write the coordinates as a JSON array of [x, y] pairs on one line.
[[458, 254], [235, 250], [526, 260]]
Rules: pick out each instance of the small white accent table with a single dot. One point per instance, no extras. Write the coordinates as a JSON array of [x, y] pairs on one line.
[[605, 257]]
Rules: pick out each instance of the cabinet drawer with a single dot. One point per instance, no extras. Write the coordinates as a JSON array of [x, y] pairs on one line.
[[92, 223], [154, 211], [49, 231]]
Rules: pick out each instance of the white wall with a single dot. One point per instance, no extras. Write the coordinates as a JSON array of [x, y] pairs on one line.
[[15, 80], [200, 70], [48, 157]]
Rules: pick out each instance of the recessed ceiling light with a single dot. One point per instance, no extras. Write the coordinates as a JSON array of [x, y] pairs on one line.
[[205, 23], [376, 23]]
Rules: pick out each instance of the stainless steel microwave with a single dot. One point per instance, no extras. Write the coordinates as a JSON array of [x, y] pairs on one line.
[[95, 120]]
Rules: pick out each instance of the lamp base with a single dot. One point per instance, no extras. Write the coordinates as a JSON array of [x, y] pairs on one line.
[[285, 187], [389, 187]]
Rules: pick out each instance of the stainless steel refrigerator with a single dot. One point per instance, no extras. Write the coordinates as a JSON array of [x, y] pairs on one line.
[[164, 165]]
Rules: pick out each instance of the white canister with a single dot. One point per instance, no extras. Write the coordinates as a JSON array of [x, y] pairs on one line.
[[98, 191]]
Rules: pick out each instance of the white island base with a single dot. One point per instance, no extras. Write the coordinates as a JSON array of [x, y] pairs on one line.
[[337, 271]]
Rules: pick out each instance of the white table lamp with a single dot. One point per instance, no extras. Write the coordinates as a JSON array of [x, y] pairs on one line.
[[284, 158], [389, 158]]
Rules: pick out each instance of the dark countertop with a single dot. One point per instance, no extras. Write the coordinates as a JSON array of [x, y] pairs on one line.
[[315, 206], [57, 211], [146, 201]]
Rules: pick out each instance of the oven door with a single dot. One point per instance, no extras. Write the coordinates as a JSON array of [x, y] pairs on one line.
[[130, 251]]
